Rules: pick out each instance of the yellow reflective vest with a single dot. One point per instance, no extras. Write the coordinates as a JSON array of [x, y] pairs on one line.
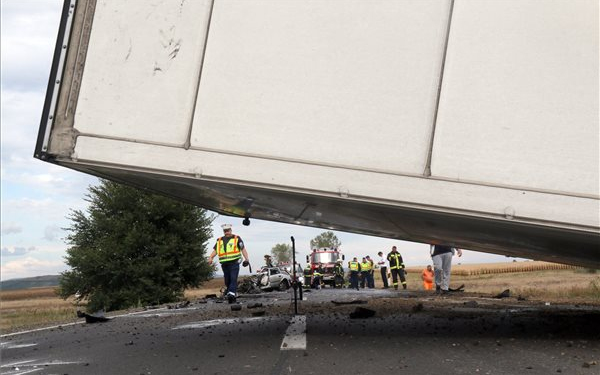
[[365, 266], [230, 252], [353, 266]]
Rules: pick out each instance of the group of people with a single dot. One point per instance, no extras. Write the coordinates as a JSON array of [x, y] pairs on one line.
[[230, 249], [363, 271]]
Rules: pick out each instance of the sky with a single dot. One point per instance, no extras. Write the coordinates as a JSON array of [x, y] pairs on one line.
[[37, 197]]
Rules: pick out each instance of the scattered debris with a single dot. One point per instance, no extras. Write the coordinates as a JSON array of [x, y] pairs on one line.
[[208, 296], [521, 298], [589, 364], [236, 307], [92, 318], [459, 289], [471, 304], [418, 307], [254, 305], [258, 313], [179, 305], [362, 313], [504, 294], [352, 302]]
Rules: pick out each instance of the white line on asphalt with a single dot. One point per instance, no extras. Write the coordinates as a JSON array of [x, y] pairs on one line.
[[71, 324], [295, 336], [19, 372], [8, 345], [210, 323]]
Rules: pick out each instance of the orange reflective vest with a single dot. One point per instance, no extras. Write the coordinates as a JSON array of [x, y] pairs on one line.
[[427, 276], [230, 252]]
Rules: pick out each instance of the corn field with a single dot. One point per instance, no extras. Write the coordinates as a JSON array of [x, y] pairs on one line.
[[491, 268]]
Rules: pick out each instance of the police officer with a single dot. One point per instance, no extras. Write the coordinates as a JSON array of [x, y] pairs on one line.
[[397, 267], [365, 271], [230, 249], [354, 270]]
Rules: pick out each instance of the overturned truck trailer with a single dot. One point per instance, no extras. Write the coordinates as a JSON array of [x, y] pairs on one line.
[[473, 123]]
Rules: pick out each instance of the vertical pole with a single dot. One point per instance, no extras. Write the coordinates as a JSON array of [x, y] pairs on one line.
[[294, 281]]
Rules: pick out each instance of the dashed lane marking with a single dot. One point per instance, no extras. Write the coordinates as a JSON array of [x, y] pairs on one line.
[[295, 336]]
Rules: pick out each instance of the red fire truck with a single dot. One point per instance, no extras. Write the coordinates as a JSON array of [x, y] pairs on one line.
[[326, 257]]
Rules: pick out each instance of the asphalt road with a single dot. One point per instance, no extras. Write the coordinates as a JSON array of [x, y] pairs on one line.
[[412, 333]]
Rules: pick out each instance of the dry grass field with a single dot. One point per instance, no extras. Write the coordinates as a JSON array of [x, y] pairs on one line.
[[38, 307]]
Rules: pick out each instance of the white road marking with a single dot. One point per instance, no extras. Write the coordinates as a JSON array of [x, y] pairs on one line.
[[74, 323], [13, 364], [17, 371], [210, 323], [295, 336], [29, 366], [8, 345]]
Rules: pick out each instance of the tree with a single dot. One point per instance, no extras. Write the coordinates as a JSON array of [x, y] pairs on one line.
[[281, 253], [325, 239], [134, 248]]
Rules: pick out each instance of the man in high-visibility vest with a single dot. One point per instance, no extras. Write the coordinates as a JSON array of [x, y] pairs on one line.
[[307, 274], [338, 275], [365, 271], [427, 277], [317, 275], [354, 267], [230, 249], [397, 267]]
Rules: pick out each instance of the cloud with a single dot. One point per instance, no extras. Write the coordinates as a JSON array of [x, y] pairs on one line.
[[10, 228], [51, 232], [29, 267], [29, 30], [16, 251]]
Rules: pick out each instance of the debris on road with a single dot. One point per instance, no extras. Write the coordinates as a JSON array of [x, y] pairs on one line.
[[352, 302], [254, 305], [504, 294], [362, 313], [418, 307], [92, 318], [179, 305], [459, 289]]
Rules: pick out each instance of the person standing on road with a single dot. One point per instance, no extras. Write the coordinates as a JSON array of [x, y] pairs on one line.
[[442, 265], [230, 249], [370, 276], [268, 261], [427, 277], [381, 262], [397, 267], [354, 267], [307, 274], [365, 270], [338, 275]]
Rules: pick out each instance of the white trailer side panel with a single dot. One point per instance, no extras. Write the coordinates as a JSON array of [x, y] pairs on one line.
[[473, 123], [350, 83], [142, 68], [519, 101]]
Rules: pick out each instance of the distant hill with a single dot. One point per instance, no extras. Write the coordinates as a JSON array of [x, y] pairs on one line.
[[30, 282]]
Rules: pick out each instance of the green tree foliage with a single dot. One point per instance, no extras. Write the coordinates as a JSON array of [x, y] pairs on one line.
[[281, 253], [134, 248], [325, 239]]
